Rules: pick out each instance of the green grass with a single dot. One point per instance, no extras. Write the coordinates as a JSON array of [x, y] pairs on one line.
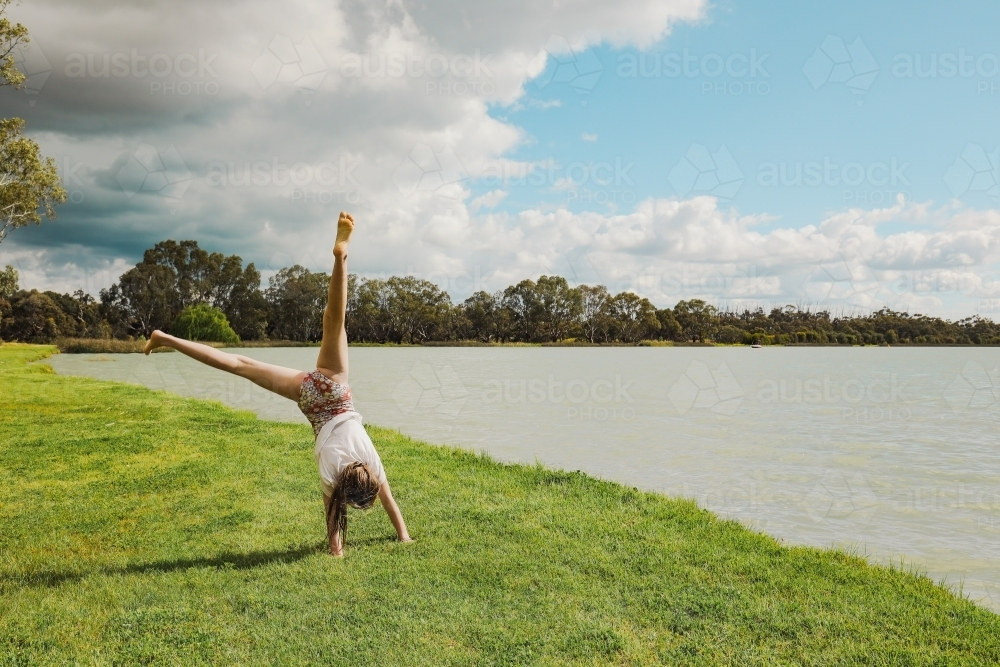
[[137, 527], [100, 346], [115, 346]]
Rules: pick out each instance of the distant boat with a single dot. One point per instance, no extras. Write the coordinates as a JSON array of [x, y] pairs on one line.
[[756, 344]]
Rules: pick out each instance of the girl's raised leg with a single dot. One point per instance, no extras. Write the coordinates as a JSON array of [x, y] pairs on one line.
[[332, 360], [283, 381]]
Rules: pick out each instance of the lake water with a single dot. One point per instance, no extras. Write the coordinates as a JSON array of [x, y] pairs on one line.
[[892, 452]]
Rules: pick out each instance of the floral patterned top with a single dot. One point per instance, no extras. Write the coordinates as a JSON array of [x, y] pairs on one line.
[[321, 399]]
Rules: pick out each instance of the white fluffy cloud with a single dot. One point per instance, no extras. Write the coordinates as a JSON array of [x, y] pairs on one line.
[[669, 249], [284, 114]]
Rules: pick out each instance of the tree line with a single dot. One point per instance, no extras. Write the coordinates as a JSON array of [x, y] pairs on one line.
[[179, 286]]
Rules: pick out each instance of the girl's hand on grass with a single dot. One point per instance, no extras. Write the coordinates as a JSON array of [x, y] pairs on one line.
[[337, 546]]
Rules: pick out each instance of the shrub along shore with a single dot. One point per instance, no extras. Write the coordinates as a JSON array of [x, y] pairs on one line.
[[141, 527], [112, 346]]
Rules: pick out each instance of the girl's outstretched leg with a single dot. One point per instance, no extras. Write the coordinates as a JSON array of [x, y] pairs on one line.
[[283, 381], [332, 360]]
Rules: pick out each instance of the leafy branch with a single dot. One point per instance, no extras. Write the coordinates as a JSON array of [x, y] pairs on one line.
[[12, 35]]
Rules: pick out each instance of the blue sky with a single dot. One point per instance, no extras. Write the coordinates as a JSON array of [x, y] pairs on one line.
[[778, 116]]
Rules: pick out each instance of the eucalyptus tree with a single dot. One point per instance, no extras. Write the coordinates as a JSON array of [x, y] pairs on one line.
[[214, 279], [418, 309], [561, 307], [594, 317], [697, 318], [633, 317], [8, 282], [523, 311], [483, 317], [297, 297], [142, 300], [30, 186]]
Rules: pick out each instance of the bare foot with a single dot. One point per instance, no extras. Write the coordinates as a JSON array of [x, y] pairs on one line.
[[155, 341], [345, 227]]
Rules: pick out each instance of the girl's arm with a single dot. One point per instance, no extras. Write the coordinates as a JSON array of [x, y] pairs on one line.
[[333, 531], [392, 509]]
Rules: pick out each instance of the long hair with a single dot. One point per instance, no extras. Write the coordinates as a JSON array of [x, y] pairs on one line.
[[356, 486]]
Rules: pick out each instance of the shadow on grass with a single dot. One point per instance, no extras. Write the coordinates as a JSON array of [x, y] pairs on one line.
[[368, 541], [224, 561]]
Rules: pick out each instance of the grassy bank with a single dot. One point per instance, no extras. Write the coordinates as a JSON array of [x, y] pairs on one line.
[[113, 346], [99, 346], [144, 528]]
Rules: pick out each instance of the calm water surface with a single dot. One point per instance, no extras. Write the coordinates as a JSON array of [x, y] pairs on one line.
[[891, 452]]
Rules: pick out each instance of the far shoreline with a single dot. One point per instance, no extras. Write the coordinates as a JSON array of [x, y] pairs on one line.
[[113, 346]]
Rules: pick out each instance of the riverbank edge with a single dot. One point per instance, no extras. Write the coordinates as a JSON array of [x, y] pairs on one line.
[[111, 346]]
